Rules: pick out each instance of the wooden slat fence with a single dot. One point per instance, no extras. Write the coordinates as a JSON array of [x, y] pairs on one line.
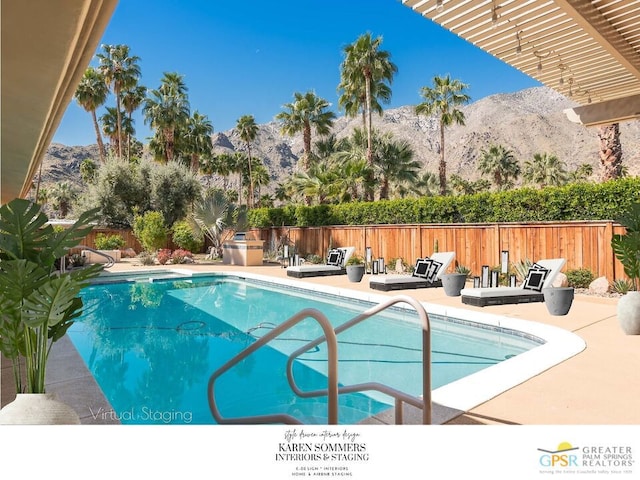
[[584, 244]]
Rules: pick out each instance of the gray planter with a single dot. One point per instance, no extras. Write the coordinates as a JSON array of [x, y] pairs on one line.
[[558, 300], [629, 313], [355, 272], [453, 283]]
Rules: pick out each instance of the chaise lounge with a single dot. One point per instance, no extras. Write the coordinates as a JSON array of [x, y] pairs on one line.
[[336, 262], [540, 275], [426, 274]]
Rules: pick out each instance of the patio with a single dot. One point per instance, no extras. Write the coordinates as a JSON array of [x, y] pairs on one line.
[[598, 386]]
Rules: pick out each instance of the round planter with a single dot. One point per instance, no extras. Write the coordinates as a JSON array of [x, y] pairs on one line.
[[355, 272], [38, 409], [558, 300], [629, 313], [453, 283]]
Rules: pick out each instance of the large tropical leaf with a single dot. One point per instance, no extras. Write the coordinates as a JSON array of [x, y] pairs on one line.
[[627, 249], [631, 219], [23, 230], [52, 303]]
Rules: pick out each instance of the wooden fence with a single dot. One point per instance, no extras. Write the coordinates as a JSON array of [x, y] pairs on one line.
[[584, 244]]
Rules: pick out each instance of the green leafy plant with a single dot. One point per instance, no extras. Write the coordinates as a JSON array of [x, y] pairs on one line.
[[150, 230], [521, 268], [313, 258], [186, 238], [622, 286], [626, 247], [109, 242], [580, 277], [355, 260], [38, 304], [462, 269]]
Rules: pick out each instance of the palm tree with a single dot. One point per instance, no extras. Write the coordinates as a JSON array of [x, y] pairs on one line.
[[61, 195], [121, 72], [166, 110], [545, 170], [354, 97], [91, 93], [582, 173], [109, 122], [443, 100], [307, 112], [248, 130], [132, 98], [501, 165], [395, 164], [610, 151], [198, 138], [365, 63]]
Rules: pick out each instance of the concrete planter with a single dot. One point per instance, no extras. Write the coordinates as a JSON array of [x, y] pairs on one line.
[[453, 283], [629, 313], [355, 273], [558, 300], [38, 409]]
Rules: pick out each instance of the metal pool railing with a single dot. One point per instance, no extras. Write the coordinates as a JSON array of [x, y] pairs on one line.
[[333, 390]]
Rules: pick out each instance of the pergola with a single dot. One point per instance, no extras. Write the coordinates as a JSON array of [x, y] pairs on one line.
[[46, 47], [588, 50]]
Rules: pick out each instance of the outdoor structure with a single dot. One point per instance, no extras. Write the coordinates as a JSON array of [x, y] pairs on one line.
[[45, 50], [588, 50], [242, 252]]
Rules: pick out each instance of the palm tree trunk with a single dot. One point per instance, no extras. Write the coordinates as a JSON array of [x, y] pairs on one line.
[[610, 151], [119, 126], [306, 137], [442, 170], [98, 137], [369, 189], [168, 135], [250, 192], [194, 162]]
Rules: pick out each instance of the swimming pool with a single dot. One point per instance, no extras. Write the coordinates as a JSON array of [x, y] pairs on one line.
[[152, 343]]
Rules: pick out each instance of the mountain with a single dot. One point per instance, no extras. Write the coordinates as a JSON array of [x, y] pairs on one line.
[[526, 122]]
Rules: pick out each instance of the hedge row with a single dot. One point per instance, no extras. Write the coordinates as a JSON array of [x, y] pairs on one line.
[[577, 201]]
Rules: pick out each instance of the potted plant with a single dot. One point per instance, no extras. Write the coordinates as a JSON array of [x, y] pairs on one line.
[[355, 268], [37, 303], [626, 248], [453, 283]]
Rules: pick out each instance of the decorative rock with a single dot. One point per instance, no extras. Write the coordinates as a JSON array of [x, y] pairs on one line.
[[599, 286], [128, 253], [560, 281]]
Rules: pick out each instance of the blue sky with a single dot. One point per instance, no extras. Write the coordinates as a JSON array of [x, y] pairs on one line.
[[249, 57]]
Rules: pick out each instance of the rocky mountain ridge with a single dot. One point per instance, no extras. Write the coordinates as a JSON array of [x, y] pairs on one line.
[[526, 122]]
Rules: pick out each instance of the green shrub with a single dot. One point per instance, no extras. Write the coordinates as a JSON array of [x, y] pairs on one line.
[[149, 229], [109, 242], [622, 286], [580, 277], [184, 237]]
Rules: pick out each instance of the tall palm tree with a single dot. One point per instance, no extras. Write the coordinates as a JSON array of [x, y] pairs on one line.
[[167, 110], [109, 121], [61, 196], [248, 130], [610, 151], [353, 99], [545, 170], [365, 63], [121, 72], [132, 99], [500, 163], [198, 138], [91, 93], [395, 165], [305, 113], [443, 100]]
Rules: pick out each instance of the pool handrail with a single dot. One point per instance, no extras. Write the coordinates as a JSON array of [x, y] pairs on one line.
[[332, 391], [332, 377], [424, 403]]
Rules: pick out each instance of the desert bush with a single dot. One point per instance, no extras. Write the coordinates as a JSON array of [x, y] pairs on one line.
[[109, 242], [149, 229], [580, 277], [186, 238], [163, 256], [181, 256], [622, 286]]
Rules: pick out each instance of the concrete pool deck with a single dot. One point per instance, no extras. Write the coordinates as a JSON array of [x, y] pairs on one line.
[[598, 386]]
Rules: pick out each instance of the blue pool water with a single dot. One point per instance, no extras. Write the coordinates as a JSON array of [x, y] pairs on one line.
[[152, 347]]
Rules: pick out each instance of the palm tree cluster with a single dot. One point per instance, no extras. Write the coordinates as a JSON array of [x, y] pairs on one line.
[[367, 165]]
